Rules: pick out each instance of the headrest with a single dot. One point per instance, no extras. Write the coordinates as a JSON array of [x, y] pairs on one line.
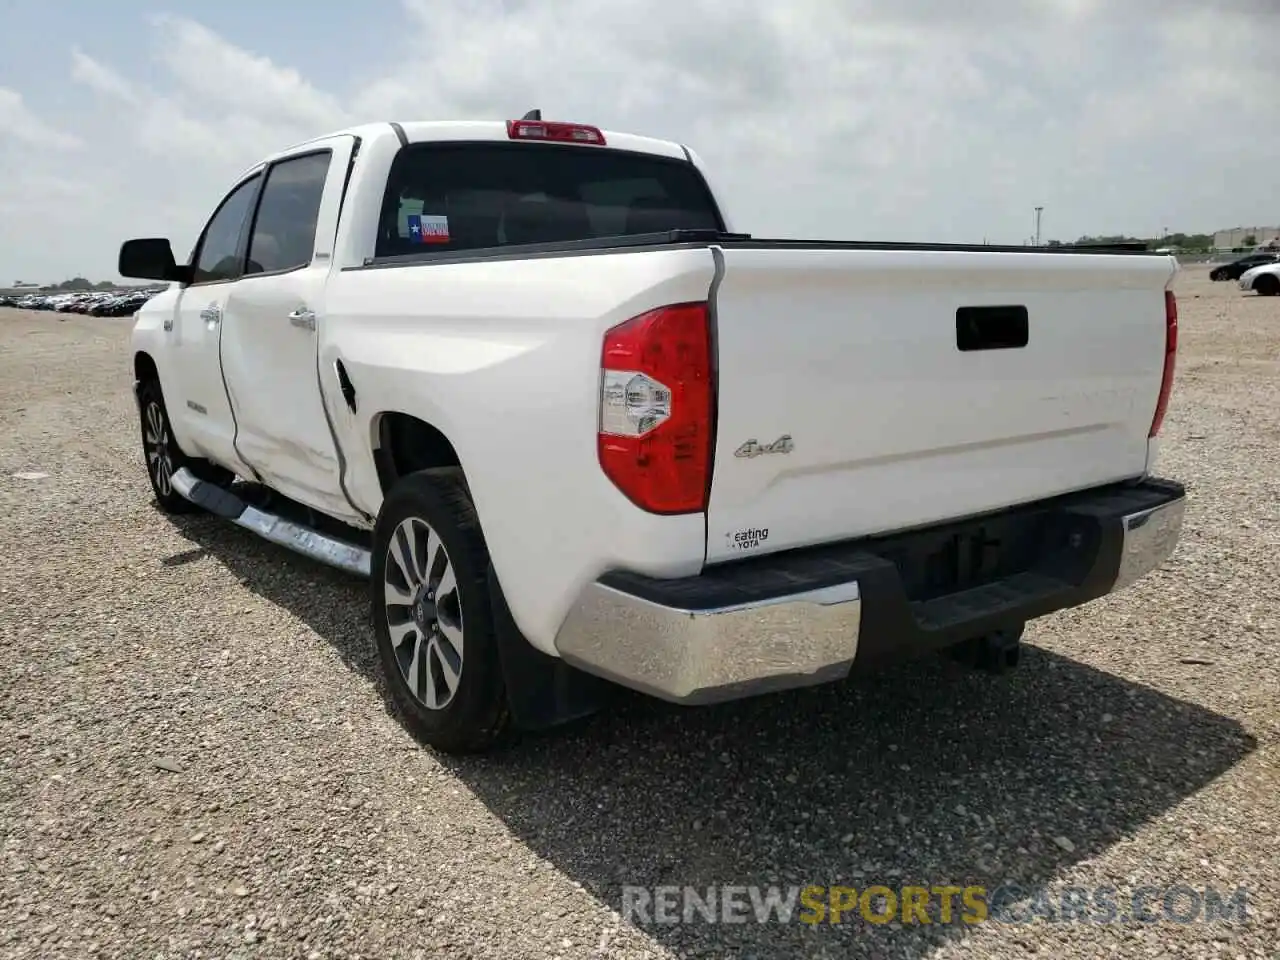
[[652, 215], [532, 220], [264, 253]]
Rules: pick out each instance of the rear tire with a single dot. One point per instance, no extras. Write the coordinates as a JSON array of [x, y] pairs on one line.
[[163, 456], [1267, 285], [432, 615]]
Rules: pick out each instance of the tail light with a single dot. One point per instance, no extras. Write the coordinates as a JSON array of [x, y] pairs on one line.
[[1170, 358], [555, 131], [656, 408]]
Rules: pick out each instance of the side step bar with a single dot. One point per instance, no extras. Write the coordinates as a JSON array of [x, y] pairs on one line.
[[286, 533]]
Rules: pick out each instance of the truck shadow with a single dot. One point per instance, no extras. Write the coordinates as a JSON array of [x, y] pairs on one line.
[[923, 774]]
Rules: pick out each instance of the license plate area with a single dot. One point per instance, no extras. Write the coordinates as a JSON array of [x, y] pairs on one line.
[[942, 561]]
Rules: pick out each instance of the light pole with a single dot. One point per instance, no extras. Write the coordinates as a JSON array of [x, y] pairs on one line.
[[1038, 212]]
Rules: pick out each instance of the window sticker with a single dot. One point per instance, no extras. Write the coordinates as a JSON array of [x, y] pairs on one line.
[[428, 228]]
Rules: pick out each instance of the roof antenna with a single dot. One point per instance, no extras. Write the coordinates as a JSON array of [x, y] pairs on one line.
[[532, 115]]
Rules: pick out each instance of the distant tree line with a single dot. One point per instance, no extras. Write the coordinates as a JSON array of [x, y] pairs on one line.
[[1188, 242], [74, 285], [80, 283]]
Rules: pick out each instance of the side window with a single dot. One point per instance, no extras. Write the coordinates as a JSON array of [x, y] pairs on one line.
[[284, 233], [216, 257]]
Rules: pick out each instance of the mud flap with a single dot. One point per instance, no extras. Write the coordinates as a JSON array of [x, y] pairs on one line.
[[542, 691]]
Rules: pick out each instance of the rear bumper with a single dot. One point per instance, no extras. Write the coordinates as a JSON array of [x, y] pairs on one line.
[[809, 616]]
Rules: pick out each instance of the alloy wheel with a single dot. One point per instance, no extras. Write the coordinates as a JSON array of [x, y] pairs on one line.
[[424, 613], [155, 440]]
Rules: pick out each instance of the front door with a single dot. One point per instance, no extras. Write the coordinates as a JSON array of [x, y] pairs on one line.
[[270, 342], [197, 398]]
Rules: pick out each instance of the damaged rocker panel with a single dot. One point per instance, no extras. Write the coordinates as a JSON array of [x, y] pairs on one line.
[[287, 533]]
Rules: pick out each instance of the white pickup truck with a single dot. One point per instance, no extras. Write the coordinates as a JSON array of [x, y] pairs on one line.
[[579, 433]]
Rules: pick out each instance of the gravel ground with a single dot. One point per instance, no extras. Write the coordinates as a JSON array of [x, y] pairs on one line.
[[195, 758]]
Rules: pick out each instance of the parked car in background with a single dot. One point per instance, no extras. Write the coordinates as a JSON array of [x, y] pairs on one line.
[[1236, 269], [98, 303], [1263, 280]]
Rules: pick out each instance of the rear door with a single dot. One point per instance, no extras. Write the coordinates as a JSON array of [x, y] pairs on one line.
[[197, 399], [269, 351], [866, 391]]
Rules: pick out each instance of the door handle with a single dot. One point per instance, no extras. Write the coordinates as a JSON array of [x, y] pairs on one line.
[[302, 317], [211, 314]]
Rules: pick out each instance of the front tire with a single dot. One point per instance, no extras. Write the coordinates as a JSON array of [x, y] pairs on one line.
[[161, 450], [163, 456], [1267, 286], [432, 616]]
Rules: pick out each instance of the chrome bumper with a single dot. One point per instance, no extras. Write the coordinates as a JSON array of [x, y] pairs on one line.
[[1150, 537], [709, 655], [698, 653]]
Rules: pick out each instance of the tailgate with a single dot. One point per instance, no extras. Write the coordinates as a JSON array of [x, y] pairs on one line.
[[907, 393]]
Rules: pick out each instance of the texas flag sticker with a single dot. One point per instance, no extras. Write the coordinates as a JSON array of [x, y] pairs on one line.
[[427, 228]]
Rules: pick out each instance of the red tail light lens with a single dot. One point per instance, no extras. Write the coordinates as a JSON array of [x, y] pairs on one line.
[[1170, 360], [656, 418], [558, 132]]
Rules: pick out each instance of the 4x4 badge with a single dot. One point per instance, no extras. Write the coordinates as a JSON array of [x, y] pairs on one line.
[[753, 448]]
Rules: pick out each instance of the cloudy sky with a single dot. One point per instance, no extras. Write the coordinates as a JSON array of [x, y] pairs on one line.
[[853, 119]]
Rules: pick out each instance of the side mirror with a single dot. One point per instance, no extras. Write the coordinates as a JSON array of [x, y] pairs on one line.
[[151, 259]]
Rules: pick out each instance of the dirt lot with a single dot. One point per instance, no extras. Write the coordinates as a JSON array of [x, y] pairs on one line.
[[195, 759]]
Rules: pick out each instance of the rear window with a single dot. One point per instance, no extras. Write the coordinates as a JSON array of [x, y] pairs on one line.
[[473, 195]]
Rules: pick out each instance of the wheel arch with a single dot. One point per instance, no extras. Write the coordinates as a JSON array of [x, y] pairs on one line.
[[403, 444], [542, 691], [144, 367]]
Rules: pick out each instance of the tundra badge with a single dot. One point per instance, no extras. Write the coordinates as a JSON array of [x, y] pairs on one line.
[[753, 448]]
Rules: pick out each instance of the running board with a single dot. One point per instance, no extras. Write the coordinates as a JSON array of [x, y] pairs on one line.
[[296, 537]]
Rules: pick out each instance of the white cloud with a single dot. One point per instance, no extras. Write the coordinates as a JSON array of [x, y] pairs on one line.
[[104, 80], [19, 123], [865, 119], [222, 75]]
